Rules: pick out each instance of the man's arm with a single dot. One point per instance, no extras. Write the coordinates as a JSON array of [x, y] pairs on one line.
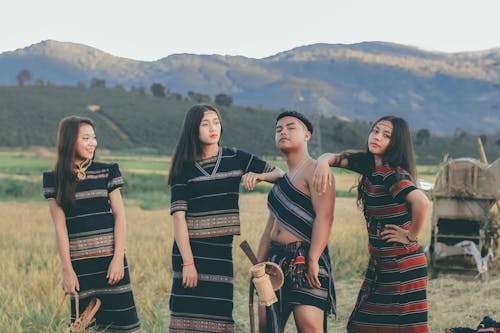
[[323, 205]]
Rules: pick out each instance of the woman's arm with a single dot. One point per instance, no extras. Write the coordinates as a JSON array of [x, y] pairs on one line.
[[250, 179], [272, 176], [116, 271], [323, 178], [419, 205], [70, 280], [334, 160], [181, 235]]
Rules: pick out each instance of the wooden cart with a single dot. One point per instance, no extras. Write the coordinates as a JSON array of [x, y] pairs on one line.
[[465, 221]]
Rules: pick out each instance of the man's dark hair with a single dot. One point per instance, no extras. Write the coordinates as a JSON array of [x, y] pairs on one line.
[[297, 115]]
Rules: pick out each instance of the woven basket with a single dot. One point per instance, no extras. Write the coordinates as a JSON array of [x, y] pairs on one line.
[[86, 319]]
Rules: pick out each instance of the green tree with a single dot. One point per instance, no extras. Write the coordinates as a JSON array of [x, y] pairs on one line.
[[23, 76], [460, 133], [223, 99], [344, 133], [199, 97], [97, 83], [423, 135], [157, 89]]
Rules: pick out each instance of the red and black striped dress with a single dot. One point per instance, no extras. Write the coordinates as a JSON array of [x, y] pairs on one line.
[[393, 296]]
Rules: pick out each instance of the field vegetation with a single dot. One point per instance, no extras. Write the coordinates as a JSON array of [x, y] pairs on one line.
[[31, 277]]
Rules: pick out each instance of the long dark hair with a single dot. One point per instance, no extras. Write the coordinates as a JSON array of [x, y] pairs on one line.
[[189, 147], [399, 153], [67, 136]]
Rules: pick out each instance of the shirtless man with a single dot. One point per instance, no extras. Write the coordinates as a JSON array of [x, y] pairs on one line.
[[296, 235]]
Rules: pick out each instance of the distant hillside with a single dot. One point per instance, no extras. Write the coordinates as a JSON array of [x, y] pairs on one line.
[[131, 122], [436, 91], [126, 121]]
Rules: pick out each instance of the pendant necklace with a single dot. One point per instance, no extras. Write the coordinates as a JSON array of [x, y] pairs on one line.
[[294, 173], [81, 170]]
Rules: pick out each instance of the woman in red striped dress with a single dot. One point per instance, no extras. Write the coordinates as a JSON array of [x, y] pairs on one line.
[[393, 296]]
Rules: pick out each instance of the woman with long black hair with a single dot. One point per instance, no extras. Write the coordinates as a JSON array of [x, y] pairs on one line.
[[204, 183], [393, 296], [89, 218]]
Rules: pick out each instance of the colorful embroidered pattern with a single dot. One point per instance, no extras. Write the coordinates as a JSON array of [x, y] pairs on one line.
[[209, 306], [209, 192], [90, 225]]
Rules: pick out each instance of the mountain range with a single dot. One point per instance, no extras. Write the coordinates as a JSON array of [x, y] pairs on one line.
[[437, 91]]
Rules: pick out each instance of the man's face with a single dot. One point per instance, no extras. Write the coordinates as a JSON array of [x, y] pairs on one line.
[[290, 133]]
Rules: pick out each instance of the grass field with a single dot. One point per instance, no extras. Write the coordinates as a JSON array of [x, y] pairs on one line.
[[30, 273]]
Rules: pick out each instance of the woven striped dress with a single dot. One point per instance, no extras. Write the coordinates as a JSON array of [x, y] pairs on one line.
[[393, 295], [90, 225], [209, 191]]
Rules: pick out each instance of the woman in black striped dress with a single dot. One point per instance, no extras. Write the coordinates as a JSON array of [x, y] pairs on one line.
[[393, 296], [204, 184], [89, 218]]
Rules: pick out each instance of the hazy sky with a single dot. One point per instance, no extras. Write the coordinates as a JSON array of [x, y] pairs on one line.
[[149, 30]]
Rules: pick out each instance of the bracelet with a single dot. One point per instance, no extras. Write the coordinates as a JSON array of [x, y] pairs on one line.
[[188, 264], [409, 239]]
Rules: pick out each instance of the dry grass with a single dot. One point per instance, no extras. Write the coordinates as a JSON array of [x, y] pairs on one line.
[[30, 273]]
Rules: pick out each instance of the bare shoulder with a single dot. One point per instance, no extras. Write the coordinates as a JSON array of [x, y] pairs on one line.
[[309, 170], [308, 173], [303, 180]]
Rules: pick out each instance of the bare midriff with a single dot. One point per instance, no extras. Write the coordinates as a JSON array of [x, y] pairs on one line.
[[281, 235]]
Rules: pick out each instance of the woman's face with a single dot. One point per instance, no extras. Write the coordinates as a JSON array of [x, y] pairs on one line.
[[85, 143], [210, 128], [380, 137]]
